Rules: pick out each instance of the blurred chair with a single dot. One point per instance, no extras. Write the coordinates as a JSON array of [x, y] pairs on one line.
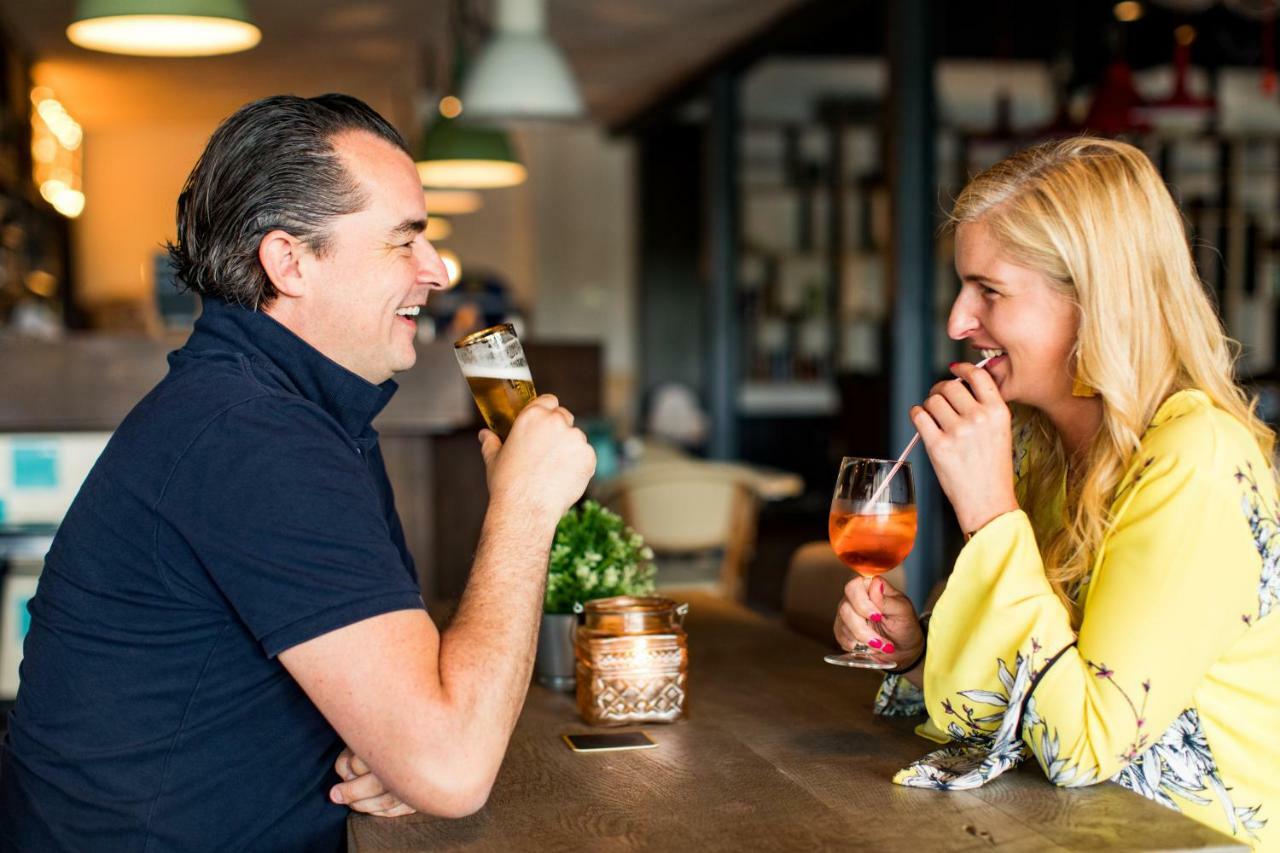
[[814, 587], [645, 451], [689, 507]]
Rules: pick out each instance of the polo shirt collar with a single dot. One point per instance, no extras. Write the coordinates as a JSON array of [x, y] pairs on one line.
[[302, 369]]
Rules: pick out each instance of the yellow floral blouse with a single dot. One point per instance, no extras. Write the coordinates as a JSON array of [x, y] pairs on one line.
[[1171, 688]]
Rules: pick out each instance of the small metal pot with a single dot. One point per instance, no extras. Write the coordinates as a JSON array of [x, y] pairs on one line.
[[554, 664]]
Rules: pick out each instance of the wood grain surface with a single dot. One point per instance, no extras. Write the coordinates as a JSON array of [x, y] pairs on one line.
[[778, 751]]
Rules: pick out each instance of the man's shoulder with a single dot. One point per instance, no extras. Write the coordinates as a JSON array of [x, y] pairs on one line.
[[225, 389], [211, 380], [213, 408]]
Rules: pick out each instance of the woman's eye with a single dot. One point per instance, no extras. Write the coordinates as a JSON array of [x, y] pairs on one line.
[[987, 291]]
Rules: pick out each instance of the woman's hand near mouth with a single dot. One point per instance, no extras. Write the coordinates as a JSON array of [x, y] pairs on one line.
[[967, 432]]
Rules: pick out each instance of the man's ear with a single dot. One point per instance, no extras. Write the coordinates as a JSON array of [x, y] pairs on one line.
[[280, 254]]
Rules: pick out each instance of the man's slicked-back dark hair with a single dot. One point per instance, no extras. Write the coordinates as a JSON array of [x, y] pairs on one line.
[[271, 165]]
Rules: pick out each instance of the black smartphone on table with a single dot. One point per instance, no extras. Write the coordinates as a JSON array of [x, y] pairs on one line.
[[608, 741]]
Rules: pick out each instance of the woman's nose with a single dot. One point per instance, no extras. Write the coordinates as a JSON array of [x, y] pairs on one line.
[[963, 321]]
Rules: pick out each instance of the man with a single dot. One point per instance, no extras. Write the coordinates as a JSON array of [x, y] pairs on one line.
[[230, 599]]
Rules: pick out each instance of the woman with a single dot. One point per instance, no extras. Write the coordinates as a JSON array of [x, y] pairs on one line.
[[1111, 613]]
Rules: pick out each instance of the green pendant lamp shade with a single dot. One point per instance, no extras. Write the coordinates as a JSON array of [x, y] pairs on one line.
[[457, 155], [163, 27]]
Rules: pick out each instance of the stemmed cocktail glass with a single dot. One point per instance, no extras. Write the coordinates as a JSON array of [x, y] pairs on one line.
[[872, 527]]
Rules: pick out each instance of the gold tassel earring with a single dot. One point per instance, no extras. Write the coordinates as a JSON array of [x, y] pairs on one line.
[[1079, 388]]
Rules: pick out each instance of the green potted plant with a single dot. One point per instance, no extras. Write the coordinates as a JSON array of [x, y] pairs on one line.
[[593, 555]]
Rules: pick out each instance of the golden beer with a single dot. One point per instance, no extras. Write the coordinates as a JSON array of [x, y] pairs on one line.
[[494, 365], [500, 395]]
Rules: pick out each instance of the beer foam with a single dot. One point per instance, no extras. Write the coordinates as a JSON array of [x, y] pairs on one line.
[[487, 371]]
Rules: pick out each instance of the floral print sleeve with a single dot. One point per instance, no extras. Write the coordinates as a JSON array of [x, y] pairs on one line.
[[898, 697], [1174, 614]]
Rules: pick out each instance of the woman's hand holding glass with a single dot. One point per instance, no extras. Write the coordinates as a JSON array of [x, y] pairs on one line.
[[967, 432], [876, 614]]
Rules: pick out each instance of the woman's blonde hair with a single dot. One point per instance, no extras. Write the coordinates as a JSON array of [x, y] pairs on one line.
[[1095, 218]]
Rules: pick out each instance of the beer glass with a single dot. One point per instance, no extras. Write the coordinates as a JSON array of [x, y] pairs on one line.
[[871, 538], [493, 363]]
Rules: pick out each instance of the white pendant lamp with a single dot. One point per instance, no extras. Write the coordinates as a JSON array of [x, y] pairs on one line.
[[520, 73]]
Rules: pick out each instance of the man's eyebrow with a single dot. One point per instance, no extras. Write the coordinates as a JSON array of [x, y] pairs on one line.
[[409, 228]]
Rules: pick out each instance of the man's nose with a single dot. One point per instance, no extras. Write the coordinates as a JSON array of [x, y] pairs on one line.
[[432, 271]]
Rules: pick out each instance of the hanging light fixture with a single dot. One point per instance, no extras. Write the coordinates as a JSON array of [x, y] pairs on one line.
[[458, 155], [1181, 111], [451, 202], [1117, 106], [520, 73], [163, 27], [455, 153]]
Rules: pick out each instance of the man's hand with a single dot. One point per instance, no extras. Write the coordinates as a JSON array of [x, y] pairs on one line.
[[545, 464], [362, 791]]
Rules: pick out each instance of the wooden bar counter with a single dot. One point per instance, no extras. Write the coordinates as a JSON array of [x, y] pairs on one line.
[[778, 751]]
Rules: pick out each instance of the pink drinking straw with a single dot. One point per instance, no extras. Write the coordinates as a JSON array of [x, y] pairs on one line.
[[911, 445]]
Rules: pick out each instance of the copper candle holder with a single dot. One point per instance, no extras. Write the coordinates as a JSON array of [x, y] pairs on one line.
[[632, 661]]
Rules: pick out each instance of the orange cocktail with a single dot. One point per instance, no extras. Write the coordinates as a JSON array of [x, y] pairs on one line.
[[871, 540]]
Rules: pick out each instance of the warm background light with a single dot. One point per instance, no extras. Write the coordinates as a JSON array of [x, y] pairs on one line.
[[164, 35], [56, 160], [452, 202], [64, 128], [41, 283], [452, 264], [472, 174], [67, 201], [1128, 11], [450, 106], [438, 228]]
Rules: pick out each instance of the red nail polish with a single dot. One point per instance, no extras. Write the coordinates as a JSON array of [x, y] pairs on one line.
[[876, 617], [874, 642], [887, 648], [953, 364]]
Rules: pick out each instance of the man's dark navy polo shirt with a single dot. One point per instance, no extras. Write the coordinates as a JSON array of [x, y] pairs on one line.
[[242, 508]]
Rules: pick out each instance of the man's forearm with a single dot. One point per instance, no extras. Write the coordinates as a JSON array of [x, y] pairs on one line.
[[431, 715], [486, 655], [455, 706]]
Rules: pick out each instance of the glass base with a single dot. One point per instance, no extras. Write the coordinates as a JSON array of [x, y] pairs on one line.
[[858, 660]]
